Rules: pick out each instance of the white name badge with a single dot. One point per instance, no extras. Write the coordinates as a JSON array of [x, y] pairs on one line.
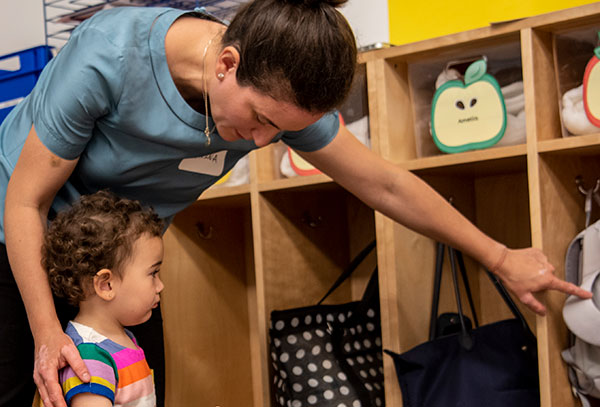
[[210, 164]]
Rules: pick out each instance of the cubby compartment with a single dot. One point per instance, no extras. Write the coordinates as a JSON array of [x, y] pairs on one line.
[[562, 200], [309, 235], [562, 217], [560, 51], [498, 203], [573, 50], [209, 304], [413, 76]]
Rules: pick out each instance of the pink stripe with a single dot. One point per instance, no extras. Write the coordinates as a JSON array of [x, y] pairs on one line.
[[126, 357], [66, 374], [95, 367], [135, 390]]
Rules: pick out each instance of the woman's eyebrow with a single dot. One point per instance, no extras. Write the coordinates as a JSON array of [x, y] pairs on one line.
[[268, 121]]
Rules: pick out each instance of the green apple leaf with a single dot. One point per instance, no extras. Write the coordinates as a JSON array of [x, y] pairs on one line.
[[475, 71], [597, 50]]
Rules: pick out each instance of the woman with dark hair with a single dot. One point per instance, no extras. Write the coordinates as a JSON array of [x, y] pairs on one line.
[[135, 102]]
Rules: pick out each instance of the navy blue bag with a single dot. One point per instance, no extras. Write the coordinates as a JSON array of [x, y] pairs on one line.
[[494, 365]]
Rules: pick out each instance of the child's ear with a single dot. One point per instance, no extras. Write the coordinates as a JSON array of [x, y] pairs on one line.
[[104, 284]]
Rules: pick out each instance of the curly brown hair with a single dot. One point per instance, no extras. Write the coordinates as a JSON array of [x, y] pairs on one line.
[[98, 231]]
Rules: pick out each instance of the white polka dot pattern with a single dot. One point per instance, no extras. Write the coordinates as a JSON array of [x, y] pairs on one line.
[[327, 356]]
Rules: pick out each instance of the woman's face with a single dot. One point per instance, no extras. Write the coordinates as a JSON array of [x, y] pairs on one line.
[[241, 112]]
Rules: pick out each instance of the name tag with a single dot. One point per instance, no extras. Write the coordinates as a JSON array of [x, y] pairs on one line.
[[210, 164]]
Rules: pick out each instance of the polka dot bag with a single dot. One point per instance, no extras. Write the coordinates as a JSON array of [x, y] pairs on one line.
[[329, 355]]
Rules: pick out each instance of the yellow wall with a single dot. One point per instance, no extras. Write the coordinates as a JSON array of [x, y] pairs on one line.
[[418, 20]]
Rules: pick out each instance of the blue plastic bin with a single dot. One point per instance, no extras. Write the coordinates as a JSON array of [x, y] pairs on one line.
[[16, 84]]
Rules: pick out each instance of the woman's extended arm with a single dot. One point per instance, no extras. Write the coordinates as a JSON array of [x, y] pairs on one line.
[[37, 177], [408, 200]]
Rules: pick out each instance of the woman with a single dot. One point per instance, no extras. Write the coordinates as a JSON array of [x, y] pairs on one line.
[[137, 100]]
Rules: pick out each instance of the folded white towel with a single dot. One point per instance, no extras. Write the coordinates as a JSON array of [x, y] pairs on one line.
[[515, 132], [447, 75], [514, 99], [573, 113]]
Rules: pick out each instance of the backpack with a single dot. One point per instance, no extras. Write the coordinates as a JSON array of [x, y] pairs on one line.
[[582, 268]]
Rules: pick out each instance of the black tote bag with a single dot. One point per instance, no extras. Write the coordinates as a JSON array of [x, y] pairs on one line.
[[329, 355], [494, 365]]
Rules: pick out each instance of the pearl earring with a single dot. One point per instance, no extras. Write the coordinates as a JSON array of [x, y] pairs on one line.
[[220, 75]]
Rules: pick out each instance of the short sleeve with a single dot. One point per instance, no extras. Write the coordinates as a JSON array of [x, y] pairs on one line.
[[315, 136], [103, 372], [80, 85]]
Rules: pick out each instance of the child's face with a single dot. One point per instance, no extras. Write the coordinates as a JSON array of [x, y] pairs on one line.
[[137, 292]]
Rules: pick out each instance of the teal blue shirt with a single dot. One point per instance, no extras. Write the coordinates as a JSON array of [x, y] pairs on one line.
[[109, 99]]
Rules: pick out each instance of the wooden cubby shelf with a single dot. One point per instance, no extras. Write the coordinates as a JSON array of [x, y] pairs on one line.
[[225, 191], [296, 182], [276, 243]]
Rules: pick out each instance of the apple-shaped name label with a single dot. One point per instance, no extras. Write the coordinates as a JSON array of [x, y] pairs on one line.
[[591, 88], [468, 115]]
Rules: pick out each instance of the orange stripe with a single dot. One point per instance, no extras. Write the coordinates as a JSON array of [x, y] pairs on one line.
[[134, 372]]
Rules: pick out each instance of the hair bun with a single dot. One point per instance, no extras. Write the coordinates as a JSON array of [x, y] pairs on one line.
[[317, 3]]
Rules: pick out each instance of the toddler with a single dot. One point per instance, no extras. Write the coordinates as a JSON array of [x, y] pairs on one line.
[[103, 255]]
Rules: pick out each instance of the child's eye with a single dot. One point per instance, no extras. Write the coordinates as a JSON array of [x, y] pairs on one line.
[[155, 272]]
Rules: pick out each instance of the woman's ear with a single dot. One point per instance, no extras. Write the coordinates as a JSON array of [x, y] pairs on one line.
[[104, 284], [228, 60]]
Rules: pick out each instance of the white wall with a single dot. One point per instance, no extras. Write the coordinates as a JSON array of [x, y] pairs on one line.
[[21, 25], [369, 20]]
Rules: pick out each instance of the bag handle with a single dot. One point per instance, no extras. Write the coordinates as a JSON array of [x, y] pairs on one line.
[[509, 302], [371, 291], [463, 273], [465, 337], [454, 256], [350, 269]]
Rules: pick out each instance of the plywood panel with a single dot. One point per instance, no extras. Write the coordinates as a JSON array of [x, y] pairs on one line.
[[502, 212], [306, 243], [205, 307]]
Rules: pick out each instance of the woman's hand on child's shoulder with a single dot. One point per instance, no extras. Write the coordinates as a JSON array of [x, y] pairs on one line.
[[54, 351]]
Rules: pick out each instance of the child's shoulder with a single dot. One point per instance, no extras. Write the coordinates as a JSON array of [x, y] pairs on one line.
[[91, 344], [95, 350]]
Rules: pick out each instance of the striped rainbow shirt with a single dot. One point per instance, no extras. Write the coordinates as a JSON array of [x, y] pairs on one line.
[[118, 373]]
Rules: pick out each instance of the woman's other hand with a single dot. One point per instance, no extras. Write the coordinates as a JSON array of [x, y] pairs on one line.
[[52, 353]]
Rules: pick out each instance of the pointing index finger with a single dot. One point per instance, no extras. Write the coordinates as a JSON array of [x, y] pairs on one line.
[[569, 288]]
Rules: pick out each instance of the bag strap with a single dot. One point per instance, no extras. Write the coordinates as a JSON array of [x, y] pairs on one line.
[[370, 296], [465, 338], [465, 279], [455, 256], [437, 282], [509, 302], [350, 269]]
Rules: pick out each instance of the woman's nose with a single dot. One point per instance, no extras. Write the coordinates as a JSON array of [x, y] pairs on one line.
[[262, 137]]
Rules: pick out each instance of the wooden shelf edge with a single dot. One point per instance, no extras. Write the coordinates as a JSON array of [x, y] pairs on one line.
[[224, 191], [288, 183], [469, 157], [570, 143]]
